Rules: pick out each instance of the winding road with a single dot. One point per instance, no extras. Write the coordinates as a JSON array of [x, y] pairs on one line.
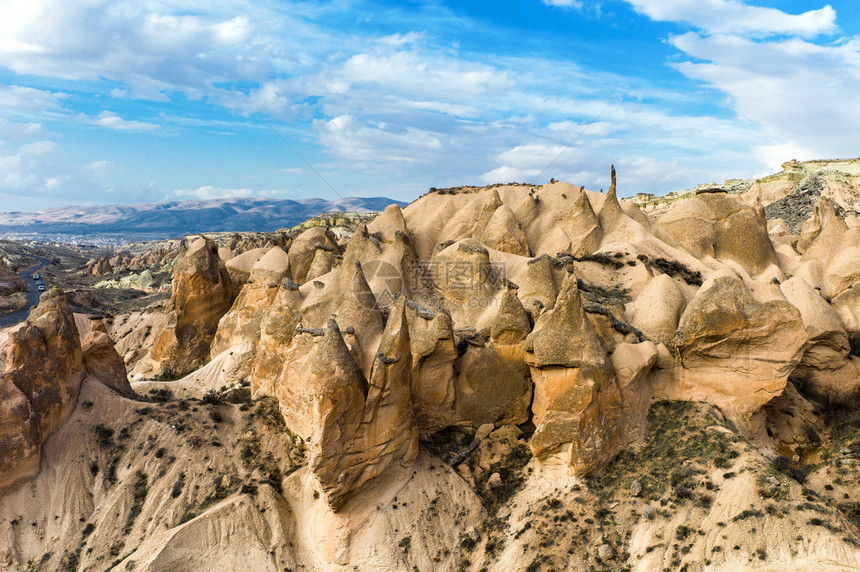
[[33, 294]]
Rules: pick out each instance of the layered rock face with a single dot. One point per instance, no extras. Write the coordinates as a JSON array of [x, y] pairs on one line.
[[202, 294]]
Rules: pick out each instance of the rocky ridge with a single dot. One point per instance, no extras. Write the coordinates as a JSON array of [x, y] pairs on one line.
[[790, 194], [546, 377]]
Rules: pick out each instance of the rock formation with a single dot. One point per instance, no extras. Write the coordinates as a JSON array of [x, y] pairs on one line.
[[40, 384], [103, 363], [240, 326], [586, 378], [577, 404], [735, 350], [720, 226], [360, 427], [658, 308], [202, 294]]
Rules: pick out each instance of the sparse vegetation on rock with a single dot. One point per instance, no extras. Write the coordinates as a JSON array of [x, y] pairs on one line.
[[512, 377]]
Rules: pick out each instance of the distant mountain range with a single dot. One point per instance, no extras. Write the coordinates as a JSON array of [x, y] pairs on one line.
[[151, 221]]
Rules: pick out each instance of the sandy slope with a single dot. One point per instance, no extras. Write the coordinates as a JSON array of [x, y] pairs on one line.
[[203, 507]]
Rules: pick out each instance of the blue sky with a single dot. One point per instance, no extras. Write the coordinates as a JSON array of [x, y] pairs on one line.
[[149, 100]]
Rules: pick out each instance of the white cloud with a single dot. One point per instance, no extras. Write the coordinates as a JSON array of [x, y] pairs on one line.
[[564, 3], [98, 168], [412, 73], [277, 98], [575, 129], [413, 103], [32, 170], [805, 96], [208, 192], [38, 148], [34, 175], [509, 174], [735, 17], [537, 163], [113, 121], [455, 109], [535, 156], [399, 40], [15, 98], [141, 44], [353, 140], [14, 131]]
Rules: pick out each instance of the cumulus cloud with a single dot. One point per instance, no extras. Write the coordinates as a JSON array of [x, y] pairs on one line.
[[358, 141], [138, 43], [32, 171], [591, 169], [16, 131], [412, 73], [402, 100], [736, 17]]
